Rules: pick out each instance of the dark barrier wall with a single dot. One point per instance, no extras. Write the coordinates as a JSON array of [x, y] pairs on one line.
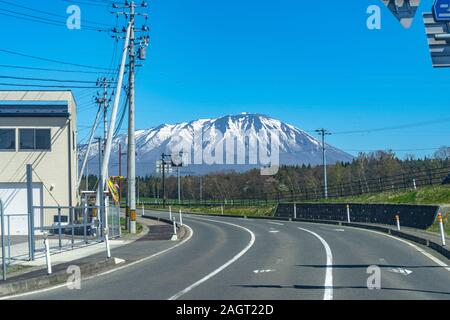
[[420, 217]]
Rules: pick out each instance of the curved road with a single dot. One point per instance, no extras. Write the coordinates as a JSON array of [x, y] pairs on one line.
[[244, 259]]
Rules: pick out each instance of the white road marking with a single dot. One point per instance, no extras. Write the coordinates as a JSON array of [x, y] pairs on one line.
[[328, 294], [274, 231], [405, 272], [426, 254], [221, 268], [106, 272], [339, 230], [278, 224], [264, 271]]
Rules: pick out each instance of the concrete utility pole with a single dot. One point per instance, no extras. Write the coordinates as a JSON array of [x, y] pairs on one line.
[[131, 158], [120, 173], [323, 132]]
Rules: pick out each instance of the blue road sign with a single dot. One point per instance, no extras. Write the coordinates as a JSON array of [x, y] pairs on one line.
[[438, 35], [441, 10]]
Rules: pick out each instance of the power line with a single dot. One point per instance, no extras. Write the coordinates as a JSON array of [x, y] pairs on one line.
[[45, 86], [44, 79], [33, 18], [405, 126], [52, 60], [50, 69], [51, 13]]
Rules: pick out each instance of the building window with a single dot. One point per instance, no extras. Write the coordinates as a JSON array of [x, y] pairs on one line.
[[35, 139], [7, 139]]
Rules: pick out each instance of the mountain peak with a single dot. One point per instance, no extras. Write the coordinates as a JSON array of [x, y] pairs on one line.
[[296, 147]]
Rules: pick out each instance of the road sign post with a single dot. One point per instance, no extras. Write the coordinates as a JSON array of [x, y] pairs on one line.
[[348, 213]]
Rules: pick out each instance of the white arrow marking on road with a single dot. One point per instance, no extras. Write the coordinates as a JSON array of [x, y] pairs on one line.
[[405, 272], [264, 271]]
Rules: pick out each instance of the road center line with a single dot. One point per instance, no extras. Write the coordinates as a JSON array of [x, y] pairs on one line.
[[278, 224], [221, 268], [328, 294]]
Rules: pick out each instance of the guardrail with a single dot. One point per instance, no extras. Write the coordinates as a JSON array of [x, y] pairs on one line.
[[414, 216]]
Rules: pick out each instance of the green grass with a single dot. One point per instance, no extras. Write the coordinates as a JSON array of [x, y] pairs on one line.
[[228, 210], [436, 195]]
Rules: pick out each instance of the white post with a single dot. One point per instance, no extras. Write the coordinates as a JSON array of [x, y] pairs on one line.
[[108, 250], [441, 226], [397, 217], [295, 210], [47, 254], [170, 212], [175, 236], [143, 210], [348, 214], [221, 209], [414, 184], [181, 219]]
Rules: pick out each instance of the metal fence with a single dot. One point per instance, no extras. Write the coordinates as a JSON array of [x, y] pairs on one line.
[[408, 179], [71, 227], [66, 228]]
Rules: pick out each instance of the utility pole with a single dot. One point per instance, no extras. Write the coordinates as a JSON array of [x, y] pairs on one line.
[[120, 173], [131, 158], [201, 189], [163, 176], [101, 183], [323, 132]]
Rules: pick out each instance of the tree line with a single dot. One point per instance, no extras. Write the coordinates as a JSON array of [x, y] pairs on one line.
[[368, 172]]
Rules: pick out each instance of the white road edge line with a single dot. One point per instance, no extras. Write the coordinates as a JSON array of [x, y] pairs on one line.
[[426, 254], [328, 294], [221, 268], [191, 232]]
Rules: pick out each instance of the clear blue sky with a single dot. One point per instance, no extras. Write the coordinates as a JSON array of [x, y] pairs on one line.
[[309, 63]]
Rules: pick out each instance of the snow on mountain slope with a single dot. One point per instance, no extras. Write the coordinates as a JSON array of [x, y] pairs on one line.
[[204, 142]]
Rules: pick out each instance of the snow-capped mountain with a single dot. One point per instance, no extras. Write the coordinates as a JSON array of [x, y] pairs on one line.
[[235, 142]]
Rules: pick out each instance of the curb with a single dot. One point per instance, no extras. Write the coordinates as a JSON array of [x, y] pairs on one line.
[[12, 287], [182, 231]]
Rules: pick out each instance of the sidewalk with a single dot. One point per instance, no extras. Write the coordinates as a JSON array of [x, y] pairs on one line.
[[91, 259]]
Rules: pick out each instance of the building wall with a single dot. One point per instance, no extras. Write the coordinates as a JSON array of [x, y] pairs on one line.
[[55, 169]]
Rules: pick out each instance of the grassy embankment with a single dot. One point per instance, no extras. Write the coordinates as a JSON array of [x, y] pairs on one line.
[[429, 195]]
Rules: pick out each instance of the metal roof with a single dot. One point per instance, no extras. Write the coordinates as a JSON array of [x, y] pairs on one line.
[[34, 110]]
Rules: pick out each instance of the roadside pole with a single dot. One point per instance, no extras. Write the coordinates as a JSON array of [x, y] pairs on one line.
[[221, 209], [170, 212], [181, 218], [295, 210], [175, 236], [108, 250], [143, 210], [348, 213], [30, 212], [2, 216], [441, 226], [47, 253], [397, 217]]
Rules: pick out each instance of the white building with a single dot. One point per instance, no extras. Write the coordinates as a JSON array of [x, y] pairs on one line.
[[37, 128]]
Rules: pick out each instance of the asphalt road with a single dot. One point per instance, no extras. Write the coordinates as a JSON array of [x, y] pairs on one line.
[[244, 259]]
